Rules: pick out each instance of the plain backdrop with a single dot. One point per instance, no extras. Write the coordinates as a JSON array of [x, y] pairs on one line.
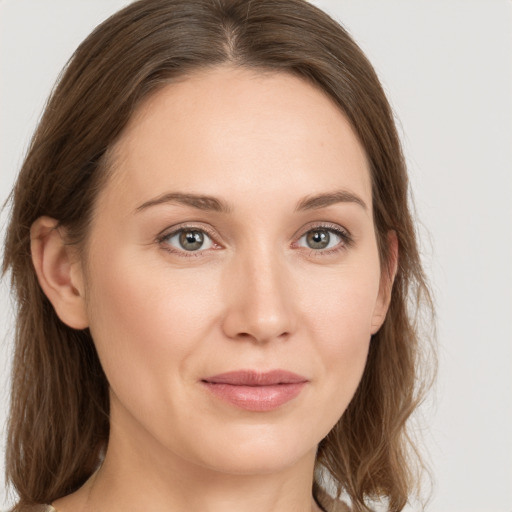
[[447, 68]]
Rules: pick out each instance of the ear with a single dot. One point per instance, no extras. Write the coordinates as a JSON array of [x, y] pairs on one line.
[[387, 278], [59, 272]]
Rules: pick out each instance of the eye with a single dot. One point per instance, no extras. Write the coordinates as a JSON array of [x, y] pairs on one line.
[[189, 240], [320, 239]]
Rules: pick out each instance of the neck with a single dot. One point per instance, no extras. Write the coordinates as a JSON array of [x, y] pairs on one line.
[[195, 489], [152, 478]]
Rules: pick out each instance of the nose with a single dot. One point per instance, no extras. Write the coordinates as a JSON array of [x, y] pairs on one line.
[[259, 300]]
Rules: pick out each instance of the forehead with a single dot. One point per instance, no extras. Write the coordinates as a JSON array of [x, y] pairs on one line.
[[252, 130]]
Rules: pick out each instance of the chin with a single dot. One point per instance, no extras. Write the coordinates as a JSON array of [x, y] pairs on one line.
[[256, 450], [257, 462]]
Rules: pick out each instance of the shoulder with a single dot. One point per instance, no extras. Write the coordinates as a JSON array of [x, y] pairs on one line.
[[338, 506], [329, 503], [36, 508]]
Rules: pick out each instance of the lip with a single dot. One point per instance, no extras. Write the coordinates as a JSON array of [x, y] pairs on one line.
[[254, 390]]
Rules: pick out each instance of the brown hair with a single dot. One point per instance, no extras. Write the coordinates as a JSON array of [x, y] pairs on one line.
[[59, 422]]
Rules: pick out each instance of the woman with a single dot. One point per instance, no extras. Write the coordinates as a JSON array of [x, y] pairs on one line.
[[213, 255]]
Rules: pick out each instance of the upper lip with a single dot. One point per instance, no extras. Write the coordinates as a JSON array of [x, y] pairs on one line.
[[256, 378]]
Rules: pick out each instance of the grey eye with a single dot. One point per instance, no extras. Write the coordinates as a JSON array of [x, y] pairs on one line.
[[189, 240], [320, 238]]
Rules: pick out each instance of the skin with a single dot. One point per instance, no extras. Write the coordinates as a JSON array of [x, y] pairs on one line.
[[256, 296]]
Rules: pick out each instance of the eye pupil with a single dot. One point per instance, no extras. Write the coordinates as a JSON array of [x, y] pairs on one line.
[[318, 239], [191, 240]]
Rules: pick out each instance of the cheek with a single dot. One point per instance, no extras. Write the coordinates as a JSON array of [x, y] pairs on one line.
[[146, 320], [340, 323], [346, 342], [341, 304]]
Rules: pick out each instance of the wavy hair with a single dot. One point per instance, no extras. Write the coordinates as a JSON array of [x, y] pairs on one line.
[[59, 417]]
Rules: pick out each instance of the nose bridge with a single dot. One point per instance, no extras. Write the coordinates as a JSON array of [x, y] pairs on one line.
[[260, 304]]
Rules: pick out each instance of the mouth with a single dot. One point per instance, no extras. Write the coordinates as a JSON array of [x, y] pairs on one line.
[[256, 391]]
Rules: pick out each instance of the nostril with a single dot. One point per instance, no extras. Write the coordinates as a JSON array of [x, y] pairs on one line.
[[261, 337], [259, 317]]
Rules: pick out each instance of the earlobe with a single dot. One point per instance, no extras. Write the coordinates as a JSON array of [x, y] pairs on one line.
[[387, 279], [59, 272]]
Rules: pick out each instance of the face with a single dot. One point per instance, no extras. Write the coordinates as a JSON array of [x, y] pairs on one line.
[[232, 276]]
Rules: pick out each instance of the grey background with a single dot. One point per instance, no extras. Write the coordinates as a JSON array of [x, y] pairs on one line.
[[447, 68]]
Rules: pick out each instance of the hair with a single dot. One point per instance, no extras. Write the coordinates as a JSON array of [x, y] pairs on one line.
[[59, 416]]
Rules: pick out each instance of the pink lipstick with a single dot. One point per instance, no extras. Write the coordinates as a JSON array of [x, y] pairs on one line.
[[256, 391]]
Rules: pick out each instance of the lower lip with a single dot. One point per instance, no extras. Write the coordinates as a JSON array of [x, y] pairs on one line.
[[256, 398]]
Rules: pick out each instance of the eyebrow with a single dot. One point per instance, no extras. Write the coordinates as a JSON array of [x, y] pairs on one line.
[[214, 204], [201, 202], [323, 200]]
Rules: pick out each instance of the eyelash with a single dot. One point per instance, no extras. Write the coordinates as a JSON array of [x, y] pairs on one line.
[[345, 242], [343, 234], [164, 238]]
